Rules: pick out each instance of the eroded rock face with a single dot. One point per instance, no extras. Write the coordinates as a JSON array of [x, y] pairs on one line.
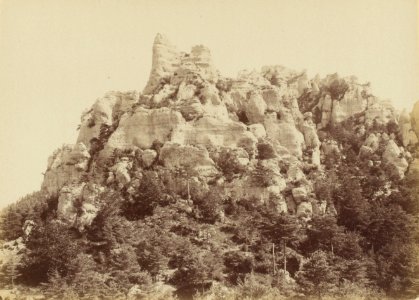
[[276, 120], [78, 204], [121, 171], [211, 131], [105, 111], [166, 59], [351, 104], [286, 133], [65, 165], [148, 157], [407, 132], [144, 127], [394, 158], [415, 118], [193, 159]]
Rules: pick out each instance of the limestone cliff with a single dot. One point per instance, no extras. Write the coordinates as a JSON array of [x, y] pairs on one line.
[[190, 117]]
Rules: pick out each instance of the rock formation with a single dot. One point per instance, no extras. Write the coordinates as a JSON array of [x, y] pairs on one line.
[[276, 122]]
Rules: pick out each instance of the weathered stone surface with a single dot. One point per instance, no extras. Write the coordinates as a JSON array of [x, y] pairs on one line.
[[286, 133], [192, 159], [78, 204], [258, 130], [166, 59], [148, 157], [415, 118], [330, 147], [121, 171], [212, 131], [66, 209], [299, 194], [379, 112], [143, 127], [373, 141], [65, 165], [294, 173], [407, 133], [325, 106], [273, 98], [305, 209], [351, 104], [104, 112], [394, 158], [310, 134], [255, 110]]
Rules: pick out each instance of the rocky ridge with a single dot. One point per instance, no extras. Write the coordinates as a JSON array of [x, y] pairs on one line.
[[189, 117]]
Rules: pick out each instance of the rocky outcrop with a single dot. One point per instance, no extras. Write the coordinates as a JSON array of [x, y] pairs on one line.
[[195, 160], [65, 165], [415, 118], [407, 133], [394, 158], [105, 111], [165, 60], [210, 131], [258, 136], [144, 127], [148, 157], [121, 171], [78, 204], [285, 132]]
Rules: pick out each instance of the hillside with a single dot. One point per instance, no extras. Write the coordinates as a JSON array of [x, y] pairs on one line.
[[198, 185]]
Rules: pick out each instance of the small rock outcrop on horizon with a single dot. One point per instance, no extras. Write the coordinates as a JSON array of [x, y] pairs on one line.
[[272, 137]]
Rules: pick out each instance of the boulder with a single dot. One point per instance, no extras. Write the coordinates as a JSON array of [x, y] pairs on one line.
[[305, 210], [299, 194], [255, 109], [121, 171], [258, 130], [148, 157], [373, 141]]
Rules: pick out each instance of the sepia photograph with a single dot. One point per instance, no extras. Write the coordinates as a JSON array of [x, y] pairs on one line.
[[209, 150]]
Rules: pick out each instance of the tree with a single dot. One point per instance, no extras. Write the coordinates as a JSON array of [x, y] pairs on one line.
[[317, 276], [149, 195], [280, 229], [195, 267], [51, 246], [210, 205], [320, 233]]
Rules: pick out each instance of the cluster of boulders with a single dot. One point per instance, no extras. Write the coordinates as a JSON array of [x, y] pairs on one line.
[[198, 118]]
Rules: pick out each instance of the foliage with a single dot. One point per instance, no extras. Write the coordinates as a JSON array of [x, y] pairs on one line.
[[317, 276]]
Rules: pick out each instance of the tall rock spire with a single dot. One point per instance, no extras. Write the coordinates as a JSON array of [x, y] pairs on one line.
[[165, 60]]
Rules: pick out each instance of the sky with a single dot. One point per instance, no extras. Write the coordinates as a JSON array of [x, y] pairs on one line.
[[57, 57]]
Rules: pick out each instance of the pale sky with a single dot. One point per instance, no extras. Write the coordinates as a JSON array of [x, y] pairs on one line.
[[57, 57]]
